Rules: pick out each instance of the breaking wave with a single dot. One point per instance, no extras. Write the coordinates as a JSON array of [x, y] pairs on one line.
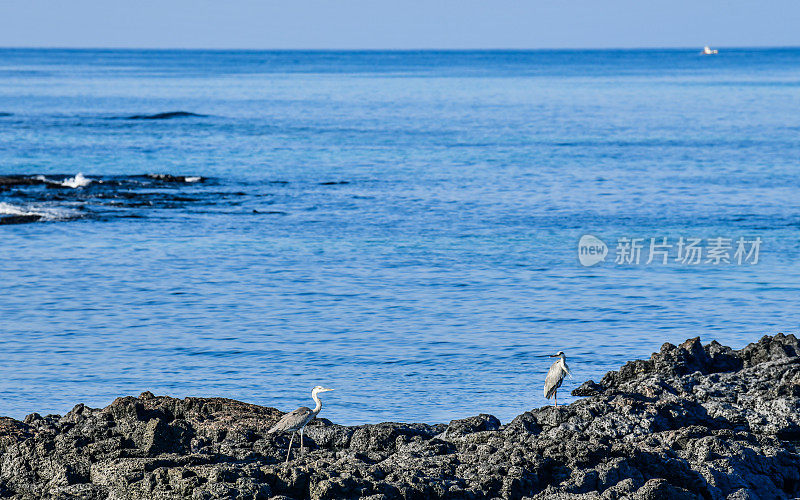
[[71, 182], [14, 214], [9, 209], [32, 198], [75, 182]]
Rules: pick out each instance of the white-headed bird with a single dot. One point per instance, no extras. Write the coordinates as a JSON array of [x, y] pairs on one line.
[[555, 376], [297, 420]]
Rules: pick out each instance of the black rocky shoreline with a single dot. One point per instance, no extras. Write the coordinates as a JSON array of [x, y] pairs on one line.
[[693, 421]]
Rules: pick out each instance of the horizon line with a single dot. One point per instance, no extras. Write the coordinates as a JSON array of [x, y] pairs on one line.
[[408, 49]]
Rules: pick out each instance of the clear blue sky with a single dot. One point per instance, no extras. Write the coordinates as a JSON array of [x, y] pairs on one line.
[[398, 24]]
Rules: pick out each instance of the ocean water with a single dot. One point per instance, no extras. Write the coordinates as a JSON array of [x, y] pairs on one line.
[[400, 226]]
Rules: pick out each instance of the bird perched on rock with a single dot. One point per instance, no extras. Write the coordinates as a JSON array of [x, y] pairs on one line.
[[296, 420], [555, 376]]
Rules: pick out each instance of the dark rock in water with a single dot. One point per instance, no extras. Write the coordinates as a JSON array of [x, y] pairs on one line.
[[270, 212], [18, 219], [692, 421], [176, 178], [166, 116], [19, 180]]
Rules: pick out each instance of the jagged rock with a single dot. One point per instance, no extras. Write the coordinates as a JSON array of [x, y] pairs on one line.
[[692, 421], [464, 426]]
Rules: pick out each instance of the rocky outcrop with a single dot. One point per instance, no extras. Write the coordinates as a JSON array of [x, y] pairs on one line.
[[19, 219], [693, 421], [166, 116], [19, 180]]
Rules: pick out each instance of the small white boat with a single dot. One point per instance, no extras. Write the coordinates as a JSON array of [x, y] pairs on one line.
[[708, 51]]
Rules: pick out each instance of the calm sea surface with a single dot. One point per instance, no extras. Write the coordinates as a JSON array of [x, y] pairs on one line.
[[400, 226]]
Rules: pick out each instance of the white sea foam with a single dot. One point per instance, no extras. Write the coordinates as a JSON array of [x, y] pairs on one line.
[[75, 182], [46, 213], [45, 179], [9, 209], [175, 178]]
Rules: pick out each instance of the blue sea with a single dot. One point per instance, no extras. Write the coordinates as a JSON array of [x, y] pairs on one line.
[[400, 226]]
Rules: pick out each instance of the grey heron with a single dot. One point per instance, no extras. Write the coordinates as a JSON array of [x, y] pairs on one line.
[[296, 420], [555, 376]]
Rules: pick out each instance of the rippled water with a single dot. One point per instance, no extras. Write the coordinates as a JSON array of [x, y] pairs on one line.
[[400, 226]]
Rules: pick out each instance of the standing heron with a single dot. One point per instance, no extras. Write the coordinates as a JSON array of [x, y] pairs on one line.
[[297, 420], [555, 376]]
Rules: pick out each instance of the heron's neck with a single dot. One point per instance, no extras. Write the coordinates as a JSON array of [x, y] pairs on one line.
[[565, 367], [316, 400]]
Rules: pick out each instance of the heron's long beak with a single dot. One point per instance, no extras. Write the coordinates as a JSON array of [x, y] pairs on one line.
[[326, 390]]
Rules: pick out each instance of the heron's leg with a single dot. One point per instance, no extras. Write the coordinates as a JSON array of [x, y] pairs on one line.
[[555, 397], [302, 449], [290, 448]]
